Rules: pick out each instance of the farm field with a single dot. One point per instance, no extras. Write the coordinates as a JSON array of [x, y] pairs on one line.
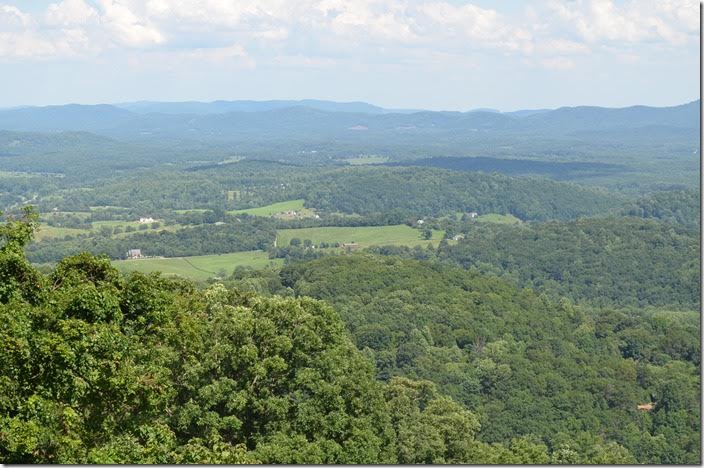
[[274, 208], [52, 232], [365, 236], [366, 160], [498, 219], [192, 210], [200, 267]]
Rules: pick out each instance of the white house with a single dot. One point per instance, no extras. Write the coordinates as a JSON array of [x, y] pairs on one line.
[[146, 220], [134, 253]]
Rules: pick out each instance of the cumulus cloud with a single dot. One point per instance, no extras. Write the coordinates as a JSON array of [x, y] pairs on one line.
[[70, 13], [12, 19], [672, 21], [551, 33], [126, 26]]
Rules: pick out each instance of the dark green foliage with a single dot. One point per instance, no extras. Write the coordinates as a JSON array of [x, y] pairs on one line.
[[678, 208], [525, 364], [425, 192], [603, 261], [142, 370]]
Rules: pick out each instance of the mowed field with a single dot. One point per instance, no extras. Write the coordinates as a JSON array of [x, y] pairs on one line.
[[270, 210], [365, 236], [51, 232], [200, 267], [498, 218]]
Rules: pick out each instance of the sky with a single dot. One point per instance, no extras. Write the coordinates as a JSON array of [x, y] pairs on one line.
[[429, 54]]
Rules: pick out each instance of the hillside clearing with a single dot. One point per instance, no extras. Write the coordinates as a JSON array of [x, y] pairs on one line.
[[200, 267], [365, 236]]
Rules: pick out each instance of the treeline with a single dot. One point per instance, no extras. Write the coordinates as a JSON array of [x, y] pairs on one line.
[[241, 234], [435, 192], [675, 207], [103, 368], [379, 192], [613, 261], [528, 366]]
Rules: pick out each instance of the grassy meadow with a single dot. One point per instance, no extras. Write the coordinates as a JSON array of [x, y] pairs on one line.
[[365, 236], [200, 267]]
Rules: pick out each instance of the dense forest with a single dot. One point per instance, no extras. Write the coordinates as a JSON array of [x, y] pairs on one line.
[[359, 190], [103, 368], [527, 365], [438, 192], [621, 261], [675, 207]]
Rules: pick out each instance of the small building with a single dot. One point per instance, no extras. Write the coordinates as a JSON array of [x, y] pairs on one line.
[[350, 246], [147, 220], [646, 407], [472, 214], [134, 253], [420, 222], [458, 237]]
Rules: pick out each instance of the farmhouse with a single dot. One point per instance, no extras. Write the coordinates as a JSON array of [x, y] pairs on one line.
[[350, 246], [146, 220], [646, 407], [458, 237], [472, 214], [134, 253]]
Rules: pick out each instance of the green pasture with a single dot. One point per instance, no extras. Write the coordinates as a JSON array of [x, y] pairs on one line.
[[498, 218], [274, 208], [200, 267], [365, 236]]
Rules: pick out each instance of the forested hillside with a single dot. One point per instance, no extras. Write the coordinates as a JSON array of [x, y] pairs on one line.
[[103, 368], [527, 365], [615, 261], [439, 192], [676, 207]]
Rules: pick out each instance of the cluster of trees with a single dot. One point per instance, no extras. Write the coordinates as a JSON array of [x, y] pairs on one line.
[[621, 261], [680, 207], [434, 192], [527, 365], [245, 233], [386, 195], [103, 368]]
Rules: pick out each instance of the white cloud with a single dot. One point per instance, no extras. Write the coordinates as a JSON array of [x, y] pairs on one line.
[[69, 13], [549, 32], [672, 21], [12, 19], [126, 27]]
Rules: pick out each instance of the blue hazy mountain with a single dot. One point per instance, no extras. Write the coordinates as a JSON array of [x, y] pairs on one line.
[[323, 119], [222, 107]]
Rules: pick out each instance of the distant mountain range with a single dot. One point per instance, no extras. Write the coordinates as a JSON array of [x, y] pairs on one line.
[[325, 119], [223, 107]]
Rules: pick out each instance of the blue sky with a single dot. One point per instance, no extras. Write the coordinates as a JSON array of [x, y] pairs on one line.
[[433, 54]]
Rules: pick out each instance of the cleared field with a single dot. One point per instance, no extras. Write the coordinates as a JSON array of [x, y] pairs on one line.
[[365, 236], [195, 210], [53, 232], [365, 160], [270, 210], [198, 268], [498, 219]]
